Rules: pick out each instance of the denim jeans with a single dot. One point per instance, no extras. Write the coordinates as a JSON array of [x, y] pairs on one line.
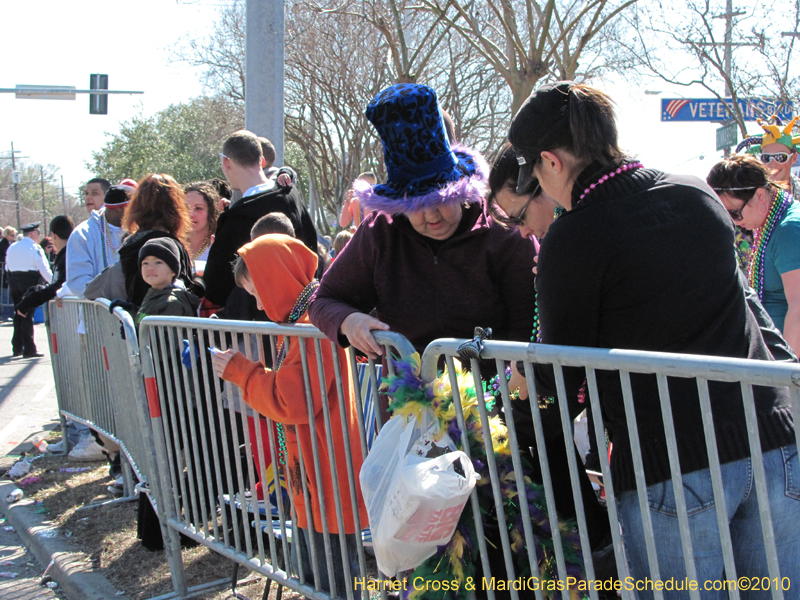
[[783, 487]]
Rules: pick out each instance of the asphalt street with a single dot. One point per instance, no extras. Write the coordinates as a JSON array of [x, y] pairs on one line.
[[27, 406], [27, 392]]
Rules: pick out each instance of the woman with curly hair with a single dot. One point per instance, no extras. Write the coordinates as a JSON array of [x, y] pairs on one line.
[[158, 209], [201, 200]]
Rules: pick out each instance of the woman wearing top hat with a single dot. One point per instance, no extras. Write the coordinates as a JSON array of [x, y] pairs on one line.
[[644, 260], [427, 259]]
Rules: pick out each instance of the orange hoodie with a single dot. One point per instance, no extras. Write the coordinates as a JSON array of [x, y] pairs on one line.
[[280, 268]]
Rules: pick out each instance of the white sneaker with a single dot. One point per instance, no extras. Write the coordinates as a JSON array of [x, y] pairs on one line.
[[56, 448], [87, 450]]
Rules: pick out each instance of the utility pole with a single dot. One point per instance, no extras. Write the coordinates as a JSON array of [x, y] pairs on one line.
[[263, 80], [16, 183], [63, 200], [44, 208], [728, 16]]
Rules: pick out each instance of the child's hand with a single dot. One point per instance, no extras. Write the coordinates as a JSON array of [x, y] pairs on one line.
[[221, 360]]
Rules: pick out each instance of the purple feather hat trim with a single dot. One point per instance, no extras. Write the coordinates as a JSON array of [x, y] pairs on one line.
[[471, 190]]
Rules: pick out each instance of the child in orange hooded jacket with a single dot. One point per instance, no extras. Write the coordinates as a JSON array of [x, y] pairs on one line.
[[279, 272]]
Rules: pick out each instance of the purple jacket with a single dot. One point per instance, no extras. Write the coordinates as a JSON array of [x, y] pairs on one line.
[[479, 277]]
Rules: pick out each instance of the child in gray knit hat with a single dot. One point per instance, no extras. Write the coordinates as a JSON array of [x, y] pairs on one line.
[[160, 265]]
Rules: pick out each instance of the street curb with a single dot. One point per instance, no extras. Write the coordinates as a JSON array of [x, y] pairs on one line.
[[71, 570]]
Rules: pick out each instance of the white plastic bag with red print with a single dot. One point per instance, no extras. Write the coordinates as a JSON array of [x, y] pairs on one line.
[[415, 485]]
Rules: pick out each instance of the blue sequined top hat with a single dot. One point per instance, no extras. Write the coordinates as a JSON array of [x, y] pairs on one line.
[[423, 170]]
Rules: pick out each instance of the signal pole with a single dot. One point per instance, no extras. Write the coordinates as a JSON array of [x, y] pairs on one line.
[[44, 209], [16, 182]]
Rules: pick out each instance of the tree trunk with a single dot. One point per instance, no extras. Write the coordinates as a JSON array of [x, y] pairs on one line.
[[520, 90]]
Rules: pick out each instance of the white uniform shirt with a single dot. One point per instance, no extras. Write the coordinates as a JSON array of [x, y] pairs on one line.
[[27, 255]]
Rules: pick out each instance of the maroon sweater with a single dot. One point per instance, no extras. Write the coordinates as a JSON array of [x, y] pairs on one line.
[[481, 276]]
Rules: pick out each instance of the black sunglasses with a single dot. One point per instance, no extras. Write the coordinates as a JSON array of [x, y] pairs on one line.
[[736, 214]]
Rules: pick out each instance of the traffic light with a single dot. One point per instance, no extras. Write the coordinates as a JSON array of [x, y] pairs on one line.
[[98, 103]]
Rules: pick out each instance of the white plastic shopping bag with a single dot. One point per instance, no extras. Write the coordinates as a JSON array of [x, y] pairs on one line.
[[415, 487]]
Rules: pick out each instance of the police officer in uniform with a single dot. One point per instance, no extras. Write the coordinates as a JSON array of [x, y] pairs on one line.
[[27, 265]]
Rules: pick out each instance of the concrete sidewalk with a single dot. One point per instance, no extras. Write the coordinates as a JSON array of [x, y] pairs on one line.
[[28, 406]]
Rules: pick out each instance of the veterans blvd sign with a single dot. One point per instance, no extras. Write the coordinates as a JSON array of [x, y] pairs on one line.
[[711, 109]]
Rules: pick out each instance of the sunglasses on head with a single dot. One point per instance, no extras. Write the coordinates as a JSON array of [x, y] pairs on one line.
[[779, 157]]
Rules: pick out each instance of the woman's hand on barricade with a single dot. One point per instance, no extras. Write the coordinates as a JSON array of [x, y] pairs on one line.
[[221, 360], [59, 302], [357, 328], [518, 381]]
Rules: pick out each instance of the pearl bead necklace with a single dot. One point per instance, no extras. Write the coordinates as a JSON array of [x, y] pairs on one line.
[[607, 176]]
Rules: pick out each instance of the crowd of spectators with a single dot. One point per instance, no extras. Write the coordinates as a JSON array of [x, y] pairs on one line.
[[565, 240]]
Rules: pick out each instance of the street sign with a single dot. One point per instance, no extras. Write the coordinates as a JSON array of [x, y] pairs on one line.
[[54, 92], [727, 136], [711, 109]]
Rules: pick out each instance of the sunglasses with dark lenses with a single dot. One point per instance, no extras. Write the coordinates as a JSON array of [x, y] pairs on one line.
[[736, 215], [779, 157]]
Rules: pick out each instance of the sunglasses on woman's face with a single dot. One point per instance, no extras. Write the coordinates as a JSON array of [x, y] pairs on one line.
[[736, 215], [519, 218], [779, 157]]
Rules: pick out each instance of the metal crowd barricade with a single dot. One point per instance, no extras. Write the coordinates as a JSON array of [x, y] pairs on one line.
[[80, 364], [701, 368], [214, 454], [99, 379], [6, 305]]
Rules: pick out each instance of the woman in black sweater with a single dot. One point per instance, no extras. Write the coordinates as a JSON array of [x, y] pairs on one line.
[[644, 260]]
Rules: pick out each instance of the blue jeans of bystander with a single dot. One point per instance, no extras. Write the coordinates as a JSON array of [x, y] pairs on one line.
[[783, 486]]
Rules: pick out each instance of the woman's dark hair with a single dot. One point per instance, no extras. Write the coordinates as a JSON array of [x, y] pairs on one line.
[[593, 126], [211, 197], [739, 177], [159, 203], [571, 116]]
